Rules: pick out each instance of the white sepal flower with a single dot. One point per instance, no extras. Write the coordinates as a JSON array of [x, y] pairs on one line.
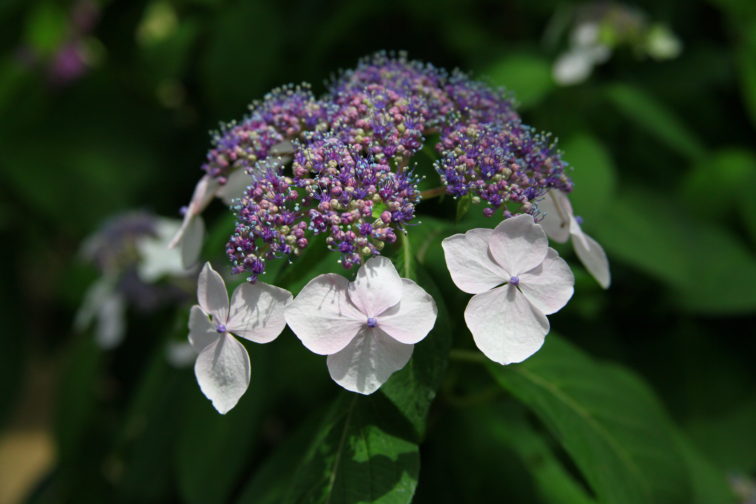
[[560, 223], [368, 328], [155, 258], [256, 313], [517, 280]]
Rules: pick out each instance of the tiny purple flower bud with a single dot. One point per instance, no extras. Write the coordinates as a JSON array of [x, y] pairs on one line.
[[579, 220]]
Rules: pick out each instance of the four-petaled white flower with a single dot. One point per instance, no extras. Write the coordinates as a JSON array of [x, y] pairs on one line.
[[367, 328], [517, 280], [560, 224], [256, 313]]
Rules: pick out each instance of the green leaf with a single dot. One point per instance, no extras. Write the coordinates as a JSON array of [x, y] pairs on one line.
[[718, 183], [707, 482], [722, 437], [527, 75], [606, 419], [360, 452], [653, 116], [413, 388], [639, 230], [508, 426], [594, 175], [657, 236]]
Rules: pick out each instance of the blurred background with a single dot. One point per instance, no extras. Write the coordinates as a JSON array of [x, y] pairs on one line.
[[105, 108]]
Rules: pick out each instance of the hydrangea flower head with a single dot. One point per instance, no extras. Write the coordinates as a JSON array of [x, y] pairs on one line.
[[368, 327], [516, 280], [342, 165]]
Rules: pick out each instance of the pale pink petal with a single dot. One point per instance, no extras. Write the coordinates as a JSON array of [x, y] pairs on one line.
[[223, 372], [212, 294], [377, 287], [204, 192], [181, 231], [412, 318], [257, 312], [323, 317], [593, 257], [504, 325], [469, 261], [237, 182], [557, 213], [549, 285], [202, 332], [518, 244], [368, 361], [191, 242]]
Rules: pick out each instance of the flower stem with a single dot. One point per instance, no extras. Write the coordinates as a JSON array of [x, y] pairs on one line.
[[432, 193]]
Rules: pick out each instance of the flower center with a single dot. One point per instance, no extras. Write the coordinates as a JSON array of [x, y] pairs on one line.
[[514, 281], [220, 328], [372, 322], [579, 220]]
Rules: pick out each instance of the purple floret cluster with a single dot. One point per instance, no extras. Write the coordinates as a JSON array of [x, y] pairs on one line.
[[500, 164], [283, 115], [342, 165]]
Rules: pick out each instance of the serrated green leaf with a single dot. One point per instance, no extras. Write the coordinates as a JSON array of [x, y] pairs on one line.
[[606, 419]]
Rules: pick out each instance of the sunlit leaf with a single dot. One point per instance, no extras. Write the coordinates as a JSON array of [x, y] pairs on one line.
[[361, 451]]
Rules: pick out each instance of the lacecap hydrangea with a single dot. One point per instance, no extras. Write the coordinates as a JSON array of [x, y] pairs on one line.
[[342, 171], [342, 165]]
